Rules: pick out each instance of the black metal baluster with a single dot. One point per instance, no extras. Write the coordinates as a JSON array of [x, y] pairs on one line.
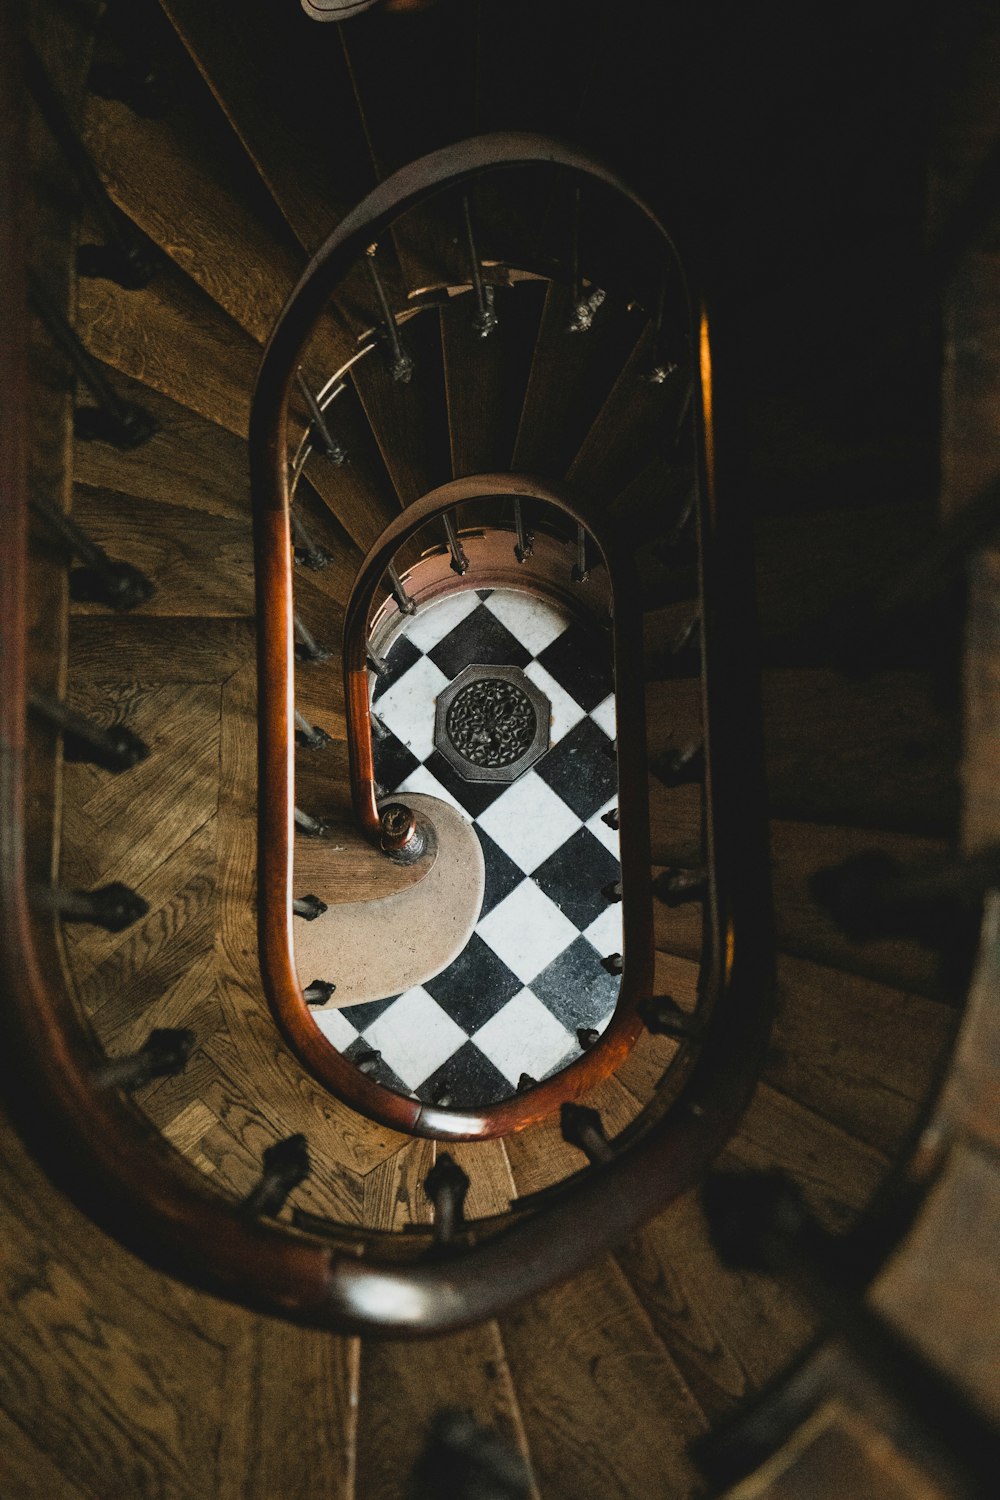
[[310, 736], [613, 963], [367, 1061], [661, 367], [446, 1186], [286, 1164], [585, 304], [587, 1036], [307, 553], [113, 907], [163, 1055], [376, 664], [485, 319], [406, 605], [662, 1016], [305, 823], [112, 420], [306, 646], [400, 363], [581, 1127], [114, 749], [101, 579], [125, 256], [525, 544], [681, 766], [581, 571], [331, 450], [308, 907], [459, 561], [319, 992], [675, 886]]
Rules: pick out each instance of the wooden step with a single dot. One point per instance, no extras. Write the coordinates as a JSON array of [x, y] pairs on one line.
[[606, 1409], [874, 752], [173, 337]]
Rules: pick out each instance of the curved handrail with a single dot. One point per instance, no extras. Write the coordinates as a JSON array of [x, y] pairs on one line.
[[126, 1176], [331, 1067]]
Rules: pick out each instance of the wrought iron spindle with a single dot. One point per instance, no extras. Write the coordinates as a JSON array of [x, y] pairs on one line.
[[485, 319], [137, 82], [612, 891], [113, 907], [308, 907], [319, 992], [581, 571], [401, 362], [307, 647], [164, 1054], [446, 1186], [367, 1061], [315, 828], [407, 606], [612, 819], [661, 367], [113, 749], [676, 886], [124, 257], [101, 579], [307, 552], [662, 1016], [582, 1127], [331, 450], [525, 544], [286, 1164], [376, 664], [587, 1036], [584, 304], [681, 766], [613, 963], [459, 561], [310, 736], [121, 423]]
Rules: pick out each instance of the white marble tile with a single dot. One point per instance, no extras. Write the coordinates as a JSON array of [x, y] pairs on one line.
[[529, 821], [535, 622], [565, 710], [336, 1028], [527, 931], [605, 931], [524, 1037], [422, 780], [604, 716], [415, 1036], [600, 830], [407, 708], [432, 622]]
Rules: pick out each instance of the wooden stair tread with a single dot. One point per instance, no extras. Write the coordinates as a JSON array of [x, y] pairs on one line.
[[728, 1332], [605, 1407], [173, 337]]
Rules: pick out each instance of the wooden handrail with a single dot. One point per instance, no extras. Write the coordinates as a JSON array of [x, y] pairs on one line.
[[108, 1155]]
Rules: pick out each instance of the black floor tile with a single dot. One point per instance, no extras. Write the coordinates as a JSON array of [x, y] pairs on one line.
[[580, 661], [400, 658], [365, 1015], [575, 876], [576, 989], [502, 874], [480, 637], [475, 796], [475, 986], [581, 768], [470, 1079], [393, 761]]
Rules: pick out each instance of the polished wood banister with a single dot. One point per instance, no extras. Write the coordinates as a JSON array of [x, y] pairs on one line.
[[108, 1155]]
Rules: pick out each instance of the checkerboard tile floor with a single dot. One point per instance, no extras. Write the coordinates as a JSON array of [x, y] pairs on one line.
[[532, 974]]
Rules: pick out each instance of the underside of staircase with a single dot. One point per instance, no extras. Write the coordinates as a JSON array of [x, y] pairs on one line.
[[790, 155]]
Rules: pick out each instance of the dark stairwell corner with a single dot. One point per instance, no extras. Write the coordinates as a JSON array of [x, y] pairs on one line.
[[817, 1313]]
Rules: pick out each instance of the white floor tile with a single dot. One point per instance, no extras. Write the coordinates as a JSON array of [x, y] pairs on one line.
[[600, 830], [432, 622], [535, 622], [605, 932], [336, 1028], [407, 708], [524, 1037], [415, 1036], [565, 710], [529, 821], [527, 931], [604, 716]]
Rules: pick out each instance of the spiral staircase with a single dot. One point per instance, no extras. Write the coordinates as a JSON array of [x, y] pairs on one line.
[[489, 375]]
